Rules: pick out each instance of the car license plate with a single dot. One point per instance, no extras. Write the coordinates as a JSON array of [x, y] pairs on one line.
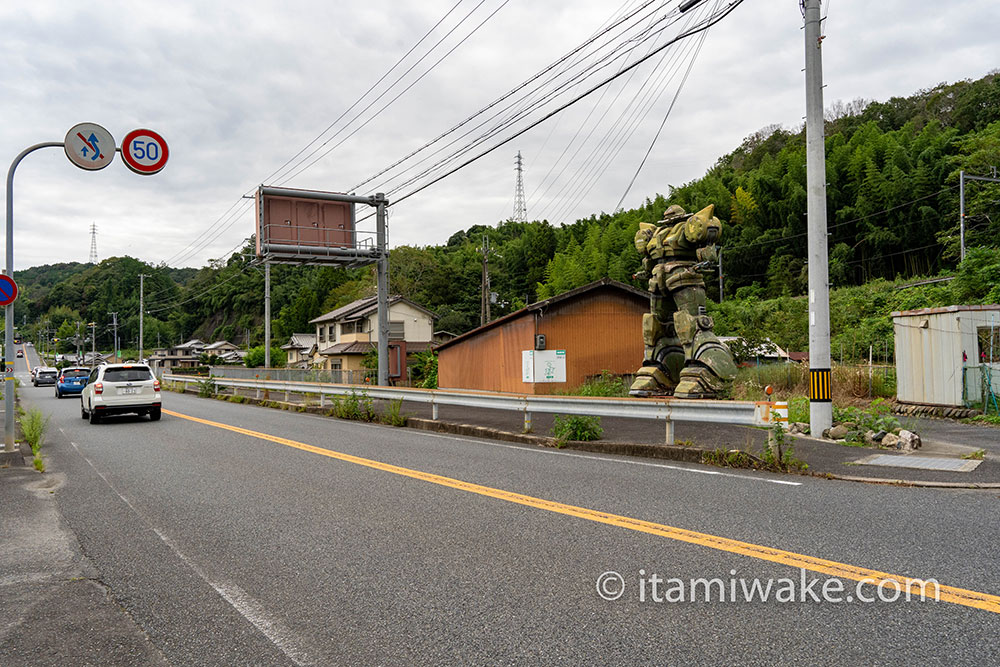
[[128, 390]]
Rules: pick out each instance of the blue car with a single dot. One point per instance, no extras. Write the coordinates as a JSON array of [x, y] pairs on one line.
[[71, 380]]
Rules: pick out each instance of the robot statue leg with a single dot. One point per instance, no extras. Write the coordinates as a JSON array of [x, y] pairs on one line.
[[709, 368], [664, 355]]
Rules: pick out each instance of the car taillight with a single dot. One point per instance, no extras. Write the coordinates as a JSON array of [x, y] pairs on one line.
[[156, 385], [98, 388]]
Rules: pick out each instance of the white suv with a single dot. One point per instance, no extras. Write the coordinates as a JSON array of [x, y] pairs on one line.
[[115, 389]]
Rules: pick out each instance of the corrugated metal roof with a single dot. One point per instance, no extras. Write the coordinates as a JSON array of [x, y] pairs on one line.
[[542, 305], [944, 309]]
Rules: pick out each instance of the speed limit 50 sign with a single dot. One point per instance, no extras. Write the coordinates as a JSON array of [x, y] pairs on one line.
[[144, 152]]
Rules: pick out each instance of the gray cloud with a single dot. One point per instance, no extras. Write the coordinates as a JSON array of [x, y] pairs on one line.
[[238, 88]]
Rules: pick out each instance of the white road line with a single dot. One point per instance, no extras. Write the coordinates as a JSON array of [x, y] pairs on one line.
[[244, 604], [591, 457]]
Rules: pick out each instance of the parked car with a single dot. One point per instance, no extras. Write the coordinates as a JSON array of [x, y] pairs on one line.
[[114, 389], [71, 380], [44, 375]]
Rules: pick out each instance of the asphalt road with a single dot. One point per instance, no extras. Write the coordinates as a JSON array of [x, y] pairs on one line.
[[230, 549]]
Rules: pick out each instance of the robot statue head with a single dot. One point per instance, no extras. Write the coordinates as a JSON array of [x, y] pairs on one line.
[[673, 214]]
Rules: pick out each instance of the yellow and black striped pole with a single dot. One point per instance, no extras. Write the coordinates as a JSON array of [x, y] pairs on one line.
[[820, 389]]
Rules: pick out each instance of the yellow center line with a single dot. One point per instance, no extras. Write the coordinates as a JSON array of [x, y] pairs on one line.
[[960, 596]]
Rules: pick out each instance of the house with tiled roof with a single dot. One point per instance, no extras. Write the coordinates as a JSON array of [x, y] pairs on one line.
[[345, 335], [300, 348]]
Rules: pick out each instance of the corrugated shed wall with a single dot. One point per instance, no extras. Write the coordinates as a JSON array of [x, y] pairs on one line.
[[490, 361], [600, 331]]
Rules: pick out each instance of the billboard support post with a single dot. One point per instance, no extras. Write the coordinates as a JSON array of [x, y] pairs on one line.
[[382, 268]]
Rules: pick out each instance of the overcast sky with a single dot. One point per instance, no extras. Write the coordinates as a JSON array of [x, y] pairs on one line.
[[239, 88]]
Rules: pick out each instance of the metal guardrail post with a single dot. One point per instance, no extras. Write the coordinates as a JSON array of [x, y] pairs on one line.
[[527, 422], [669, 432]]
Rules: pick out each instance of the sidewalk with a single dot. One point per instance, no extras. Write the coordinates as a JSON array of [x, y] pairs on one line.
[[53, 610], [824, 457]]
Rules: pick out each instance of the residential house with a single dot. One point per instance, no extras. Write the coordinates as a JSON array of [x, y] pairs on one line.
[[184, 355], [301, 349], [345, 335]]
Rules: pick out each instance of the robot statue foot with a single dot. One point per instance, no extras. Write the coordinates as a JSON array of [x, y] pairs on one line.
[[651, 381], [698, 382]]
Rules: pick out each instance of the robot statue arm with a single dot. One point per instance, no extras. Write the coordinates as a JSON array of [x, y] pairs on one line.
[[703, 228]]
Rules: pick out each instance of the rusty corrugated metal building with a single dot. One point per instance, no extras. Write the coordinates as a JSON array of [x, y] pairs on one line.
[[598, 325]]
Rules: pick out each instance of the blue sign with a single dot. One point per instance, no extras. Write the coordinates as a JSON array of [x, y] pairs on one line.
[[8, 290]]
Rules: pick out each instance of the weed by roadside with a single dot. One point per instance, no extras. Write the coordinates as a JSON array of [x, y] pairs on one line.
[[990, 420], [576, 427], [207, 387], [977, 455], [33, 425]]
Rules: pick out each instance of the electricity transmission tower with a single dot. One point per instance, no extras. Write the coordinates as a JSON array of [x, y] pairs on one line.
[[93, 243], [520, 208]]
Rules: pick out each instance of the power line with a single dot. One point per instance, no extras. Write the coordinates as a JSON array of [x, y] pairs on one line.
[[708, 24]]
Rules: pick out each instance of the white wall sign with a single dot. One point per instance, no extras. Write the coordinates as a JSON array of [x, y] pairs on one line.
[[543, 365]]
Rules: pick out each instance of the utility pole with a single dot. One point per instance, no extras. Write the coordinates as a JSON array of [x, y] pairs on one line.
[[141, 311], [77, 341], [114, 324], [484, 301], [93, 343], [820, 396], [962, 178], [720, 275]]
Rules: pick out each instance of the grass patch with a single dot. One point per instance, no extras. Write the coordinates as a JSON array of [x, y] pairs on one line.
[[606, 384], [990, 420], [977, 455], [33, 425], [576, 427], [393, 415]]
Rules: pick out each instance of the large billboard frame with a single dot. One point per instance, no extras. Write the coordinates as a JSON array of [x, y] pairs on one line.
[[328, 253]]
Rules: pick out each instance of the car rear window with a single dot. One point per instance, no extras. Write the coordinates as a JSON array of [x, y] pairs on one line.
[[127, 375], [76, 373], [47, 373]]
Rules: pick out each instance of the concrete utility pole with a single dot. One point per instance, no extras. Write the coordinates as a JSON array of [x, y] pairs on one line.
[[484, 308], [267, 314], [77, 340], [114, 324], [820, 396], [141, 312], [93, 343], [720, 275], [962, 178]]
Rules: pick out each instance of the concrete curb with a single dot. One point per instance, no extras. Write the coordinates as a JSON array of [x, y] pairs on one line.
[[663, 452], [670, 452], [909, 482]]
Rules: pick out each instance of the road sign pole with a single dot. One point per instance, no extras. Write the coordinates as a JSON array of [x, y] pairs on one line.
[[8, 385]]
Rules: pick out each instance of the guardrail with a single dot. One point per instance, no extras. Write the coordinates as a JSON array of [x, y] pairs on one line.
[[744, 413]]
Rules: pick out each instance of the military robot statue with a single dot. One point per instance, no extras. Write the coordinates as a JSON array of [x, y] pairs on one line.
[[683, 356]]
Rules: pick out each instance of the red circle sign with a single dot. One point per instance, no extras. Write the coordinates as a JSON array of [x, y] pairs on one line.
[[144, 152], [8, 290]]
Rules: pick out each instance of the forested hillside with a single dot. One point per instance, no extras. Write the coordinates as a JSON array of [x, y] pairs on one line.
[[892, 169]]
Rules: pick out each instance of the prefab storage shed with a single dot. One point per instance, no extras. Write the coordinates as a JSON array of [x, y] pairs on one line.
[[941, 353], [551, 345]]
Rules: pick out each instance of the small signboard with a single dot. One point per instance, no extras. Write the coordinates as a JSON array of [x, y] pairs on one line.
[[89, 146], [8, 290], [144, 152], [543, 365]]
